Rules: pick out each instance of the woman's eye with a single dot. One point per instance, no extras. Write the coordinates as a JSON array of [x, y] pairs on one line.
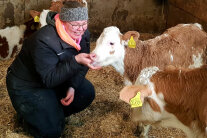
[[111, 43]]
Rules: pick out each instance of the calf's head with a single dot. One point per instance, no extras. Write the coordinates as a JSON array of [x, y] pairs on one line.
[[41, 15], [110, 46]]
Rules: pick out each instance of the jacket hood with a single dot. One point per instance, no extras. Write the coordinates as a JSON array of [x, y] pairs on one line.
[[50, 19]]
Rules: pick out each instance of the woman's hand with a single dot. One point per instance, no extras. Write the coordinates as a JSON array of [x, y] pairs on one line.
[[85, 59], [69, 97]]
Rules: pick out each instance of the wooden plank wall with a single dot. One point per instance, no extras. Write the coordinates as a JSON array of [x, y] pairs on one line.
[[187, 11]]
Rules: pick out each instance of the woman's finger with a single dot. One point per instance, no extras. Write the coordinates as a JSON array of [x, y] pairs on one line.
[[69, 97], [93, 56], [93, 67], [66, 102], [63, 102]]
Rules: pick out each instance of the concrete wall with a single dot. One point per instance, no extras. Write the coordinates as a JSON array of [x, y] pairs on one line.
[[187, 11], [17, 11], [141, 15]]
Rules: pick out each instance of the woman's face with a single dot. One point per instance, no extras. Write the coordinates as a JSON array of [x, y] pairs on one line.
[[76, 28]]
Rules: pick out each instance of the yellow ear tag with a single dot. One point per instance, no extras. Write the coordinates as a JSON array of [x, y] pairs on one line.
[[132, 43], [136, 101], [36, 19]]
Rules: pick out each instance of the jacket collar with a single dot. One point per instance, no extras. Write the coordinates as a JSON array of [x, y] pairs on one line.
[[63, 34], [66, 45]]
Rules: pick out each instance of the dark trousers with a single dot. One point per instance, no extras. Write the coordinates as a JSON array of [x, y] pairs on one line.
[[42, 110]]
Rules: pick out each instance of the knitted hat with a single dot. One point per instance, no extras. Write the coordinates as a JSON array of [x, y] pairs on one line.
[[73, 11]]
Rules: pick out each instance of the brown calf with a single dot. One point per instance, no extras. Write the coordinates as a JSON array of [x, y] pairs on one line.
[[182, 46], [173, 97]]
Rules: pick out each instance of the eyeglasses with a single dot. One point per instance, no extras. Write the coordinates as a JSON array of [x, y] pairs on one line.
[[76, 27]]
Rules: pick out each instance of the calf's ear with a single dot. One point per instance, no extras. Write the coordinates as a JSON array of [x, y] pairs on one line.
[[128, 35], [34, 13], [130, 92]]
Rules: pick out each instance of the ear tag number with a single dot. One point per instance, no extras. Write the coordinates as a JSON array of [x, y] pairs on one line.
[[132, 43], [136, 101]]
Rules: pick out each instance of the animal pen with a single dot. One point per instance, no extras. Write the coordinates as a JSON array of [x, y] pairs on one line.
[[107, 116]]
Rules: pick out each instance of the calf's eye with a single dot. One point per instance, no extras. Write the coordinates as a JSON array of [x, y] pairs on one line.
[[111, 43]]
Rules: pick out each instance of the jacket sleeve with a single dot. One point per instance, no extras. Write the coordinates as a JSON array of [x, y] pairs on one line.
[[51, 70], [76, 81]]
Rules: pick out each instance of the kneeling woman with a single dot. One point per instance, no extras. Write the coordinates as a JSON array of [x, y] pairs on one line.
[[46, 82]]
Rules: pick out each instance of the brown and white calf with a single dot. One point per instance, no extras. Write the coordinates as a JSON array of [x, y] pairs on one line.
[[182, 46], [173, 98], [11, 38]]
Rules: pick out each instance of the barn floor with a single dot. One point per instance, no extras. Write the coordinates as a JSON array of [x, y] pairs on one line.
[[106, 117]]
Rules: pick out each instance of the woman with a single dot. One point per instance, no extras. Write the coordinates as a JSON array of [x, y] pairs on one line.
[[46, 82]]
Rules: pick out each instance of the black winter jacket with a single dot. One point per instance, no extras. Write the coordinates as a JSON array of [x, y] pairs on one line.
[[46, 61]]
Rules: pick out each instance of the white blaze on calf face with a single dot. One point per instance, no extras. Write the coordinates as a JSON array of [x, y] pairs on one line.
[[109, 50], [43, 17]]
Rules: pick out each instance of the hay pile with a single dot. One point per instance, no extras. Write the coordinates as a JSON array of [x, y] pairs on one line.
[[106, 117]]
